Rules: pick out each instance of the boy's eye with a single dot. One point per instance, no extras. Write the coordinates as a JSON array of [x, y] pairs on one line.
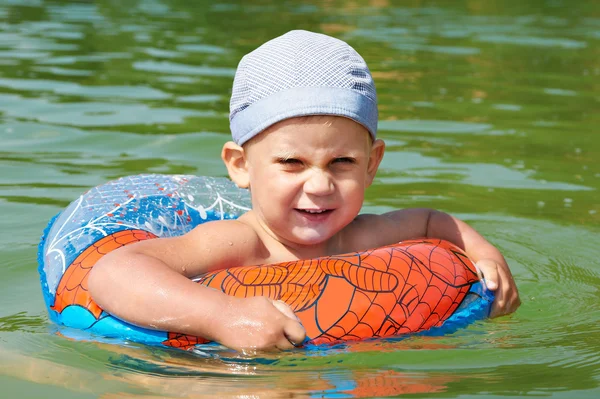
[[344, 160], [289, 161]]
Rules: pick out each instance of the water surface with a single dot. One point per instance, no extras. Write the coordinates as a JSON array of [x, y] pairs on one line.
[[489, 110]]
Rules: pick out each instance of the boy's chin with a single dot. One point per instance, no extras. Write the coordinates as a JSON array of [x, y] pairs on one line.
[[309, 239]]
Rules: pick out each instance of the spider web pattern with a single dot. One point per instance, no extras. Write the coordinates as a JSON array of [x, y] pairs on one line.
[[388, 291], [73, 287], [403, 288], [160, 204], [394, 290], [183, 341], [118, 213]]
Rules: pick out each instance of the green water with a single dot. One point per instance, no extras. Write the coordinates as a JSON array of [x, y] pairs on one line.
[[490, 112]]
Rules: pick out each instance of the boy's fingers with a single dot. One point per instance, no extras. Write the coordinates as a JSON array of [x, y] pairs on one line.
[[498, 278], [294, 333], [510, 295], [507, 296], [488, 270], [285, 309], [293, 330], [498, 305]]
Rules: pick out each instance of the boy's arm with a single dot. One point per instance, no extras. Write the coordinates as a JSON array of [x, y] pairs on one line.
[[487, 258], [148, 284], [415, 223]]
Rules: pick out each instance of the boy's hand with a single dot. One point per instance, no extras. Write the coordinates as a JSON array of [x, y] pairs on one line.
[[260, 323], [498, 278]]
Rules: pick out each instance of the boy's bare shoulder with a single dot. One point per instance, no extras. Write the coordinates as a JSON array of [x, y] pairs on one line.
[[371, 230], [216, 230], [209, 246], [229, 236]]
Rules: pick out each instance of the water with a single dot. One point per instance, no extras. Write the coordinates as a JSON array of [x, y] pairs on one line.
[[489, 110]]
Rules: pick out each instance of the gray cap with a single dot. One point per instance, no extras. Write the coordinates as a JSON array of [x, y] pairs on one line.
[[300, 73]]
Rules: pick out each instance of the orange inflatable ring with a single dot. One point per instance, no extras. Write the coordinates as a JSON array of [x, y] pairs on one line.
[[420, 286]]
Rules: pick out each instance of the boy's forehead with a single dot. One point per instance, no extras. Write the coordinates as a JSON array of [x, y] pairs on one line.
[[315, 120], [292, 132]]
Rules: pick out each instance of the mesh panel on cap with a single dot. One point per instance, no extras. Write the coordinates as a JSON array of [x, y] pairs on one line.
[[299, 59]]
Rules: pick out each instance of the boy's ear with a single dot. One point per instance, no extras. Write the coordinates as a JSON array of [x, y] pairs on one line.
[[234, 158], [377, 150]]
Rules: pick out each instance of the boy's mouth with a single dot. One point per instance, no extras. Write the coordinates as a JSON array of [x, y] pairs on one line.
[[315, 212]]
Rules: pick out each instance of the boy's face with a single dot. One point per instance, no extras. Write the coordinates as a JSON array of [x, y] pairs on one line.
[[308, 176]]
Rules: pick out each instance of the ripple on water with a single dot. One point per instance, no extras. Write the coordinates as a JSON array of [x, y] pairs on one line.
[[73, 59], [168, 67], [63, 71], [66, 35], [433, 126], [557, 273], [74, 89], [160, 53], [413, 167], [507, 107], [88, 114], [201, 48], [533, 41], [23, 54], [200, 98], [177, 79], [75, 12], [450, 50], [549, 346], [25, 42], [560, 92]]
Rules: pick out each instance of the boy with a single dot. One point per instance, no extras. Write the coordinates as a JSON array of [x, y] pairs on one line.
[[304, 121]]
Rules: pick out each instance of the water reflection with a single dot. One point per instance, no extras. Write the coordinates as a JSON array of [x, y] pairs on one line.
[[171, 67], [407, 167], [424, 126], [94, 114], [532, 41], [489, 110], [125, 92]]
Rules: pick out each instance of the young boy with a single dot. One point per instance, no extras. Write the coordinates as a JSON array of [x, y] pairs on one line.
[[304, 121]]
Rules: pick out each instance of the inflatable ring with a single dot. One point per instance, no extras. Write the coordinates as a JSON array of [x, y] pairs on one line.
[[420, 286]]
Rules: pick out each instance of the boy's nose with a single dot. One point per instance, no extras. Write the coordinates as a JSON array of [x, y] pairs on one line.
[[318, 183]]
